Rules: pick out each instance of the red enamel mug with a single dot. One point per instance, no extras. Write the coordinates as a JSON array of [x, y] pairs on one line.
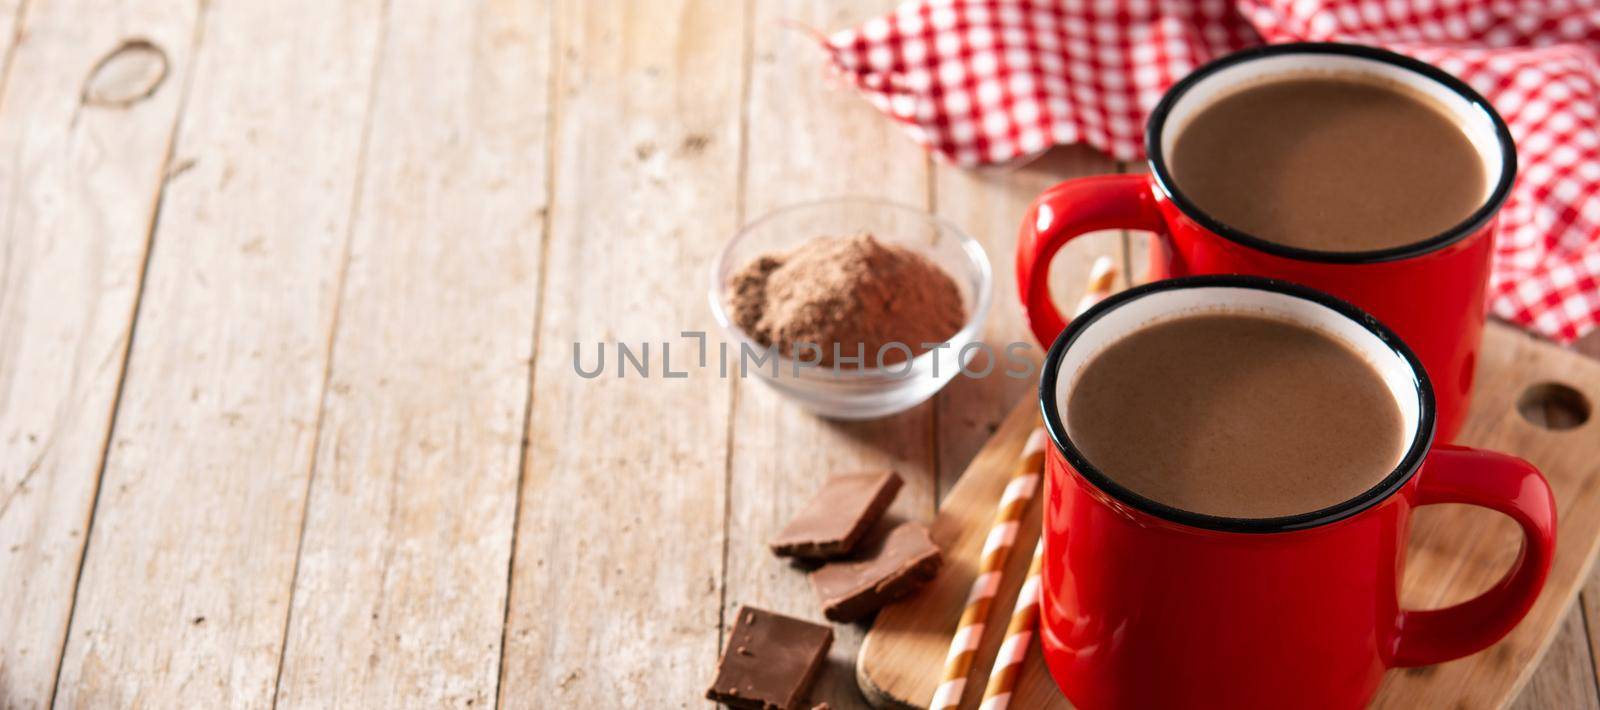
[[1149, 606], [1430, 292]]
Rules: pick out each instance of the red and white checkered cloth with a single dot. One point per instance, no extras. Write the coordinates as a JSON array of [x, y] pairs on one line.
[[986, 81]]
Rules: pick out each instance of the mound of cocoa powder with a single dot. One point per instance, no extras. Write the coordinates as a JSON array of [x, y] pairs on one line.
[[846, 290]]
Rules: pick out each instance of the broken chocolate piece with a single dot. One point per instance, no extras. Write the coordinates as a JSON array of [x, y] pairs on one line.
[[838, 516], [769, 661], [897, 565]]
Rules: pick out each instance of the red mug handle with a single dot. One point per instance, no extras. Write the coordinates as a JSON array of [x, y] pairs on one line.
[[1068, 210], [1505, 484]]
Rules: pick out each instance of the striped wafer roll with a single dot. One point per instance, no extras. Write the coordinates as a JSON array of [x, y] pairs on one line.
[[1014, 650], [991, 564], [1102, 275], [997, 547]]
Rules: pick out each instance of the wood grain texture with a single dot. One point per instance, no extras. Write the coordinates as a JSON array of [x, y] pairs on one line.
[[1565, 678], [902, 655], [1589, 601], [1567, 675], [1589, 607], [618, 552], [311, 247], [811, 137], [1511, 361], [186, 580], [78, 189], [12, 18], [1139, 243], [400, 595], [900, 659], [989, 204]]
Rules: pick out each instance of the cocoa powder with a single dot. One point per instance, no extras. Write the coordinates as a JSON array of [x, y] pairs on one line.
[[846, 291]]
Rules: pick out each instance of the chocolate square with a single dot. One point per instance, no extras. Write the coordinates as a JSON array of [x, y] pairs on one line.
[[770, 661], [896, 565], [838, 516]]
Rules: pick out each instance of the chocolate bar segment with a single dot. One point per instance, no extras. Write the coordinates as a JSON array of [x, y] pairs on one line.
[[770, 661], [897, 565], [838, 516]]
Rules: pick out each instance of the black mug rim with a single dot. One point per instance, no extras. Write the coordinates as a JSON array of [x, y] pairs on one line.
[[1405, 469], [1468, 226]]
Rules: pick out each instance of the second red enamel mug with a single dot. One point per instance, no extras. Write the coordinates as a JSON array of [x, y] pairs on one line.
[[1431, 292]]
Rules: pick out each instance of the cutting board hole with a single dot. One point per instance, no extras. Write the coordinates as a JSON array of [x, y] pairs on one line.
[[1554, 406]]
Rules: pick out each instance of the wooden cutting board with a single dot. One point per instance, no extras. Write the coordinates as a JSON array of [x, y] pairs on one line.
[[1456, 552]]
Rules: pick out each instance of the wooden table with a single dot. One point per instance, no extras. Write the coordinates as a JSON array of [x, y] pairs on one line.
[[288, 298]]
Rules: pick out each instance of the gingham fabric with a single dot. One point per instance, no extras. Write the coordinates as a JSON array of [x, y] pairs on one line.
[[988, 81]]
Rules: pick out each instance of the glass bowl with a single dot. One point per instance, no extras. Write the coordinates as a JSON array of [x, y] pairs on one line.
[[866, 392]]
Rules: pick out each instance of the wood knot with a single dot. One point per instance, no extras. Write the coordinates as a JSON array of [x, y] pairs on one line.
[[127, 75]]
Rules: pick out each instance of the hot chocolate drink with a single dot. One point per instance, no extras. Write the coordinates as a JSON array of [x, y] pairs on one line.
[[1235, 415], [1329, 163]]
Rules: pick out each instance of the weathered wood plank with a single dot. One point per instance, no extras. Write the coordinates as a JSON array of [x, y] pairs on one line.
[[1589, 602], [810, 137], [78, 187], [186, 581], [619, 543], [1565, 677], [12, 19], [400, 596], [989, 204]]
